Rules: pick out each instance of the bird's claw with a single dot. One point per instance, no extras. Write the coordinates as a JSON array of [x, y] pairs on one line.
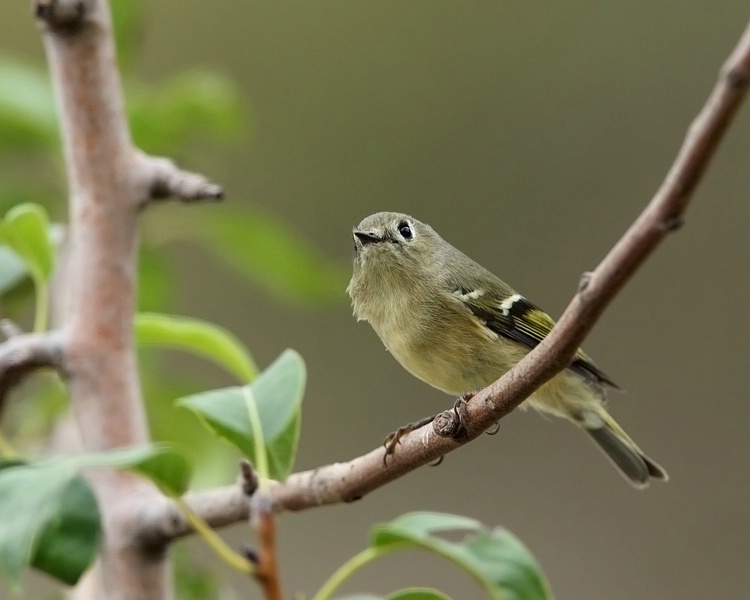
[[494, 429], [450, 423], [394, 439]]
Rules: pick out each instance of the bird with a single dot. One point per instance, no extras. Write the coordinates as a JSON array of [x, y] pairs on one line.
[[456, 326]]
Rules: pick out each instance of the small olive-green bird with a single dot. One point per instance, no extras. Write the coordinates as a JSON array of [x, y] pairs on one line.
[[453, 324]]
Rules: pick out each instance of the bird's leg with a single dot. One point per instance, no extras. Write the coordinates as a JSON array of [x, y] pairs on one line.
[[450, 425], [394, 439], [453, 425]]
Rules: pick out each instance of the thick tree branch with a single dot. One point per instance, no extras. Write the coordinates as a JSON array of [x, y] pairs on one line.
[[101, 268], [349, 481], [109, 180]]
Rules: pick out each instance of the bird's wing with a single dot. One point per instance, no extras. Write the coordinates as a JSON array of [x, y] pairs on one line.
[[517, 319]]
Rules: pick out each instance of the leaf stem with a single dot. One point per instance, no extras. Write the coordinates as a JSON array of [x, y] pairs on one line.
[[354, 564], [261, 458], [219, 546]]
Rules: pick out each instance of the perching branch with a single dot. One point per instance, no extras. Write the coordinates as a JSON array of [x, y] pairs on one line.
[[665, 212], [349, 481]]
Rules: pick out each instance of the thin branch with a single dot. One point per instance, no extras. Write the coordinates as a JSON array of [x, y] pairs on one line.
[[165, 180], [171, 520], [161, 522], [263, 520], [350, 481]]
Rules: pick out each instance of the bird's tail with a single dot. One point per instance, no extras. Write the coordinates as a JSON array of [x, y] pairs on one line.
[[622, 451]]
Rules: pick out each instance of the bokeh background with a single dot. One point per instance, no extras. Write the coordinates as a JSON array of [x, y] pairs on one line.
[[530, 135]]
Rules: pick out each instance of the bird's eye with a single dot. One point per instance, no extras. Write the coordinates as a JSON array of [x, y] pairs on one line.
[[405, 230]]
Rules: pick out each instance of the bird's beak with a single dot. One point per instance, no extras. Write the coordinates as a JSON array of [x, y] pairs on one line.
[[367, 237]]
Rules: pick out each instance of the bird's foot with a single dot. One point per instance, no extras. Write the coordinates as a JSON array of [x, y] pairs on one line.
[[394, 439], [449, 423]]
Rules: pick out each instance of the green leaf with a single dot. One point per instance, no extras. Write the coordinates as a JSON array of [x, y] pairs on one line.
[[168, 470], [418, 594], [165, 467], [283, 450], [278, 394], [405, 594], [420, 525], [69, 542], [30, 499], [213, 464], [199, 337], [266, 252], [494, 557], [12, 269], [27, 108], [49, 515], [26, 231]]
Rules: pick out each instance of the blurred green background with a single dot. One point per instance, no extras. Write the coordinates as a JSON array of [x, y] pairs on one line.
[[530, 135]]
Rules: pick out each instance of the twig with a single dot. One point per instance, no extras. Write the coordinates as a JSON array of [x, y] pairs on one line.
[[263, 521], [166, 521], [163, 179], [349, 481], [161, 522]]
